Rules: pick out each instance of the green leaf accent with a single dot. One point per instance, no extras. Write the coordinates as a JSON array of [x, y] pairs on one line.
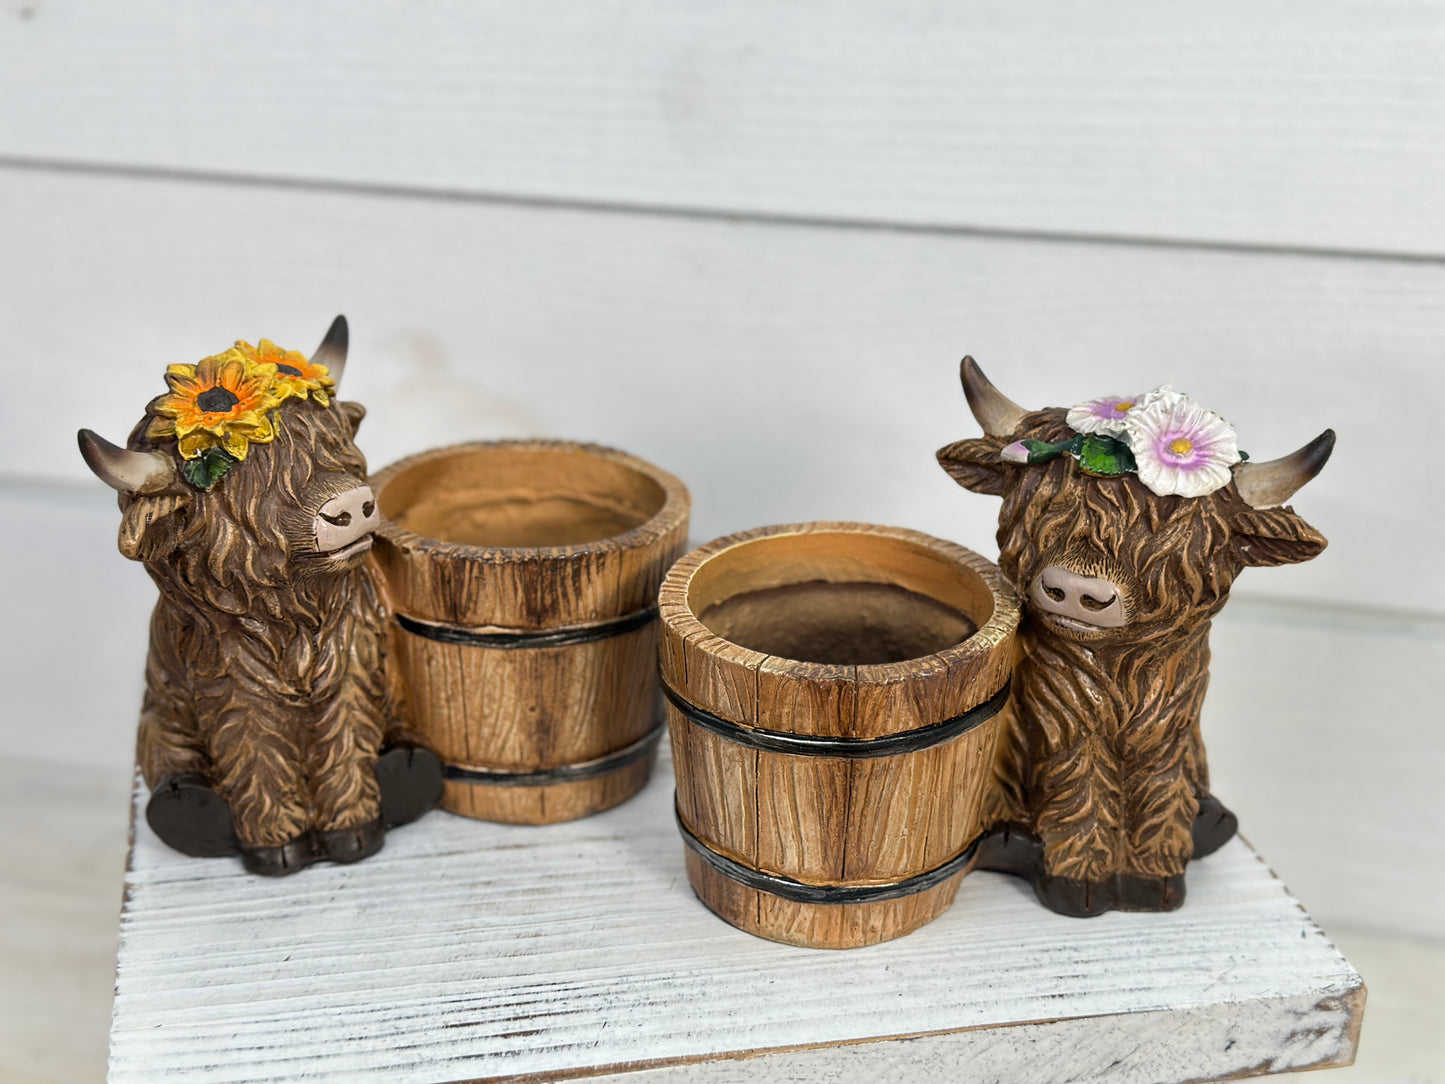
[[208, 468], [1243, 456], [1041, 451], [1105, 455]]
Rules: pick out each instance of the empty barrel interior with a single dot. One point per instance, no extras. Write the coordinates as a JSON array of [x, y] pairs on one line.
[[520, 497], [839, 598]]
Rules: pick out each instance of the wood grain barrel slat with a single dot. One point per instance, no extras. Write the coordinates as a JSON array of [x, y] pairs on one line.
[[506, 572], [837, 820]]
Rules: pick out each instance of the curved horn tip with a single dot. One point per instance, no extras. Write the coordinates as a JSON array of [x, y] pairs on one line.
[[1270, 484], [124, 470], [332, 351], [997, 413]]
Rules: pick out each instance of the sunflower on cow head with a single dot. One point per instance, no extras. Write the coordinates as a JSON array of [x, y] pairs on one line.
[[217, 408]]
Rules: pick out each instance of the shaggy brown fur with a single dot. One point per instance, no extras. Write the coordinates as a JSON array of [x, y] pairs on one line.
[[266, 667], [1102, 758]]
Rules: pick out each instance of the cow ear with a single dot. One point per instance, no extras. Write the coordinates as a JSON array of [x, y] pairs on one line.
[[1273, 536], [354, 412], [976, 464], [150, 527]]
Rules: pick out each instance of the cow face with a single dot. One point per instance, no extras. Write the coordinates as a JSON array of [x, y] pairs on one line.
[[1103, 558], [298, 505]]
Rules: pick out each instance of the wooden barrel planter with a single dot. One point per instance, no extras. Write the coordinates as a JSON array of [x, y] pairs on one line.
[[833, 691], [523, 577]]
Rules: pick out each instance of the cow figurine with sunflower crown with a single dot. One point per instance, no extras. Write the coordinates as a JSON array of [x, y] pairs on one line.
[[268, 726], [1125, 521]]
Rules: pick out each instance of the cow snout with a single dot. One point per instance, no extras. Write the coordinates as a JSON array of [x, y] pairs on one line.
[[346, 520], [1078, 600]]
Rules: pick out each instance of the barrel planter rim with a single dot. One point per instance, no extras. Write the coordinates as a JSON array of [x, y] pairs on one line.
[[677, 611], [677, 504]]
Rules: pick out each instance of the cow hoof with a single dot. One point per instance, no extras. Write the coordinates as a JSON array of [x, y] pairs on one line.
[[1150, 893], [280, 861], [352, 844], [1074, 897], [1010, 848], [410, 779], [191, 817], [1214, 826]]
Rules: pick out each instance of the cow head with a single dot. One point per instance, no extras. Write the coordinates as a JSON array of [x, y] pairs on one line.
[[246, 470], [1103, 557]]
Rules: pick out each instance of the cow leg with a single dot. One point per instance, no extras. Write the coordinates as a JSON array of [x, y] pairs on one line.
[[1078, 811], [184, 811], [258, 772], [341, 751], [168, 741], [1161, 810]]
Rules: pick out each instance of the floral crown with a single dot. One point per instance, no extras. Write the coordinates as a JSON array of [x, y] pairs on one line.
[[1173, 444], [217, 408]]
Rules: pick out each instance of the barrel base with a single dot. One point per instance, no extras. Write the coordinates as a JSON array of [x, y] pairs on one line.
[[549, 804], [817, 925]]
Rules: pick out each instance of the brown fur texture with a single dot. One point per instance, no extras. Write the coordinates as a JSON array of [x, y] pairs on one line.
[[266, 671], [1102, 758]]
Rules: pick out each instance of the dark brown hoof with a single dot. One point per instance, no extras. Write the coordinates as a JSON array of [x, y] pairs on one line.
[[283, 860], [352, 844], [1214, 826], [1010, 848], [1073, 897], [1150, 893], [191, 817], [410, 779]]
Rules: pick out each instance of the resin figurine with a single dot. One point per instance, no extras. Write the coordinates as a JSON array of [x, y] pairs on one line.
[[1124, 523], [267, 701]]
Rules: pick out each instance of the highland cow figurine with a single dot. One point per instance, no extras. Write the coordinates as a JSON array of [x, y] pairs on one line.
[[267, 701], [1124, 523]]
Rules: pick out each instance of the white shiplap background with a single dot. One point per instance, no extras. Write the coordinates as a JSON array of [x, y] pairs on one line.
[[750, 242]]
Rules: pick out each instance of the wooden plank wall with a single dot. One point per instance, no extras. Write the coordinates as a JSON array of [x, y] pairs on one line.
[[750, 242]]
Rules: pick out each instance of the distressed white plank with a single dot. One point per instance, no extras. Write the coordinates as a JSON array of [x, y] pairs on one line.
[[784, 373], [467, 950], [1289, 122]]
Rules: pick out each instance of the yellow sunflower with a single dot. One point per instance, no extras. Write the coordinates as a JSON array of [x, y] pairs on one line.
[[223, 402], [295, 375]]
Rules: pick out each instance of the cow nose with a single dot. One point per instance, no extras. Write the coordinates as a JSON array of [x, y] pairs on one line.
[[1089, 599], [346, 518]]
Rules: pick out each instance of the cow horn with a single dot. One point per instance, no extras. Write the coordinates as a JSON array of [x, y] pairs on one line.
[[332, 351], [1268, 485], [997, 413], [123, 469]]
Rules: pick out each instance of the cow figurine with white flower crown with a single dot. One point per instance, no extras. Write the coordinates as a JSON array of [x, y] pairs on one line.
[[1124, 524], [269, 727]]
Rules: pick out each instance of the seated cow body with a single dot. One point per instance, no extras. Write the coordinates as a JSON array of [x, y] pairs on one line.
[[1101, 790], [266, 704]]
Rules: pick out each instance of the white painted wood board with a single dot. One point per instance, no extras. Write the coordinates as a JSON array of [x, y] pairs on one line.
[[1289, 122], [785, 373], [466, 950]]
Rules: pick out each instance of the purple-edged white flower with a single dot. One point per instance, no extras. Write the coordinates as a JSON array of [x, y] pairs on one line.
[[1017, 452], [1180, 447], [1108, 414]]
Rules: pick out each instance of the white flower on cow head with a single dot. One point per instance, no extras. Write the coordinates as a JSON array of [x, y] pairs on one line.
[[1180, 447], [1108, 414]]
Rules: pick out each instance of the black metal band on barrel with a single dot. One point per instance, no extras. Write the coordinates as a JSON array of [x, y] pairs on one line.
[[563, 773], [525, 638], [800, 892], [814, 745]]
